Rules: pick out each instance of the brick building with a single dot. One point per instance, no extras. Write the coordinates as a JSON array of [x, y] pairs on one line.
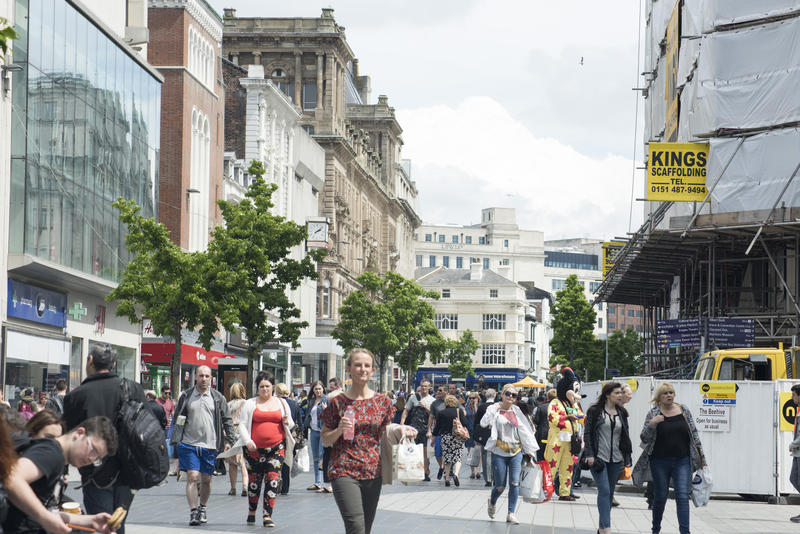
[[624, 316], [185, 39]]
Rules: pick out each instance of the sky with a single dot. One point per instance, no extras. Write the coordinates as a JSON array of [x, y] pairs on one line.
[[505, 103]]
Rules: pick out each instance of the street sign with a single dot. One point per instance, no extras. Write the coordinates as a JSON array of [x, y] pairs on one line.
[[612, 372], [713, 418], [725, 332], [730, 402]]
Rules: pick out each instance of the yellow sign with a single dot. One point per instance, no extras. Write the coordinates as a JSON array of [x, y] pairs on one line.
[[786, 411], [672, 45], [677, 171], [633, 383], [610, 251], [719, 390]]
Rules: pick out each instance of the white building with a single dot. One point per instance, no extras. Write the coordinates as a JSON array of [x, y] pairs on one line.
[[583, 258], [497, 242], [494, 308]]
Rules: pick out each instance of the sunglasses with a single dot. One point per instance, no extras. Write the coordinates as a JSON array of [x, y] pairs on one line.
[[509, 394]]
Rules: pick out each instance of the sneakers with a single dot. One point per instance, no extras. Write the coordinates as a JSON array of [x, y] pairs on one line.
[[427, 478], [201, 512], [491, 509], [511, 518], [440, 474], [487, 484], [614, 502], [194, 517], [795, 519]]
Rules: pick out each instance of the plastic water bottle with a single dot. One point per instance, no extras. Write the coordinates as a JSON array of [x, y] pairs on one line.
[[348, 433]]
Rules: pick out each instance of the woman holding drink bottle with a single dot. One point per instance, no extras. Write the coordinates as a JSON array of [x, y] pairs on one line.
[[353, 425]]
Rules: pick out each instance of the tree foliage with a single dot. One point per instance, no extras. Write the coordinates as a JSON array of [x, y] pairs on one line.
[[7, 33], [460, 352], [624, 352], [573, 324], [164, 283], [254, 270]]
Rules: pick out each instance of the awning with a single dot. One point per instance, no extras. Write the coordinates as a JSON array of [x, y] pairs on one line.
[[161, 353]]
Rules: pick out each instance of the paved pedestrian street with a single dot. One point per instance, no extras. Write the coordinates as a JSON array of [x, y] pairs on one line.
[[431, 508]]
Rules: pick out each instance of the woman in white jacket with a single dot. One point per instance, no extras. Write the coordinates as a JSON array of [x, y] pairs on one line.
[[512, 435]]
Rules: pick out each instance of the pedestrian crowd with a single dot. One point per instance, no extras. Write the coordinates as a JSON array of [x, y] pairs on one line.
[[344, 437]]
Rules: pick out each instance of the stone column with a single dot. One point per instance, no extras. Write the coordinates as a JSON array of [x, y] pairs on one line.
[[298, 79], [331, 89], [320, 96], [256, 57]]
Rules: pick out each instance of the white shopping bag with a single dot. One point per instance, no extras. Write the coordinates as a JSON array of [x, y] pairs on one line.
[[301, 461], [531, 487], [408, 461], [701, 487], [474, 457]]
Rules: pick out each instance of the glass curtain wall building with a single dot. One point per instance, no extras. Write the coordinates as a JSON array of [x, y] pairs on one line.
[[85, 131]]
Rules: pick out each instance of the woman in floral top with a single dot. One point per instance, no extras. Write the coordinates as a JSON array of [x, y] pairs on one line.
[[355, 465]]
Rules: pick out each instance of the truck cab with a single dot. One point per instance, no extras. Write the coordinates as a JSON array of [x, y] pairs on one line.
[[748, 364]]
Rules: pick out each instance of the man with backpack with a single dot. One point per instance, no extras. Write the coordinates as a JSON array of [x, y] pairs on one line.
[[415, 414], [101, 393], [56, 402]]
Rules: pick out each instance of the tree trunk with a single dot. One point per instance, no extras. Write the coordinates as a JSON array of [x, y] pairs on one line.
[[175, 366], [252, 354]]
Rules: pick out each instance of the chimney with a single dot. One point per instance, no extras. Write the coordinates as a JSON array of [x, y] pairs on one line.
[[475, 271], [229, 13]]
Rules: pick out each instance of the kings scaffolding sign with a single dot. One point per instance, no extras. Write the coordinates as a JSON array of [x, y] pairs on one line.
[[677, 171]]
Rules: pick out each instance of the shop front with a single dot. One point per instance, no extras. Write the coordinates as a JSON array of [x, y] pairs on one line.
[[483, 377], [157, 358]]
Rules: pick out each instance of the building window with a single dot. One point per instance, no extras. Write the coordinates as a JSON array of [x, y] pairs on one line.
[[446, 321], [431, 261], [612, 309], [494, 321], [599, 306], [630, 313], [428, 238], [459, 262], [493, 354], [201, 57], [600, 323], [570, 260], [455, 239], [468, 240], [419, 260], [309, 96], [446, 261], [445, 293], [441, 238], [558, 284], [638, 313], [199, 167], [325, 308], [482, 240], [612, 326], [505, 262], [505, 243], [492, 293], [486, 263], [638, 328], [416, 236], [594, 286]]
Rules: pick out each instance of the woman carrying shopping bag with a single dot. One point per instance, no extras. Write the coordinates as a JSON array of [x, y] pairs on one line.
[[607, 448], [511, 436], [672, 450], [357, 425]]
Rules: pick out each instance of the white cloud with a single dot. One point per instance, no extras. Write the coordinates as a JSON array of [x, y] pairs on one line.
[[476, 155]]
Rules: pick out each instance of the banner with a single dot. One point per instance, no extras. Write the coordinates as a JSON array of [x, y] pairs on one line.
[[673, 43], [677, 171], [610, 251]]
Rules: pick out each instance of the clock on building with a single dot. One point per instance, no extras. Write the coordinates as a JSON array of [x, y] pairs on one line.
[[317, 233]]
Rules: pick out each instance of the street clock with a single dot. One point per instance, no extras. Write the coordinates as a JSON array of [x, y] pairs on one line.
[[317, 233]]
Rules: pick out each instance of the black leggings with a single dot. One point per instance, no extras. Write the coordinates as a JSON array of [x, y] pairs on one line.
[[357, 501]]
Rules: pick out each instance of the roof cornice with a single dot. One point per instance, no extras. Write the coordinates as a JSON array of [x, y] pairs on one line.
[[200, 10]]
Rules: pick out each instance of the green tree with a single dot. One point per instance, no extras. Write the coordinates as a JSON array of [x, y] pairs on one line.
[[624, 352], [572, 323], [7, 33], [163, 283], [253, 270], [391, 316], [460, 352]]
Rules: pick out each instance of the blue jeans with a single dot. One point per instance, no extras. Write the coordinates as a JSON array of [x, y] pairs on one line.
[[98, 500], [506, 467], [605, 481], [679, 468], [316, 453]]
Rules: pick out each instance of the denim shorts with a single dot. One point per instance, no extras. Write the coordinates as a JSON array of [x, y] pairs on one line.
[[192, 458]]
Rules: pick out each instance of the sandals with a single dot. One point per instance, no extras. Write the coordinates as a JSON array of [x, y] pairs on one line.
[[232, 491], [313, 487], [244, 492]]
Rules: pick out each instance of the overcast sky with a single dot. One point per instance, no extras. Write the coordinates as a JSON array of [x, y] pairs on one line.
[[525, 104]]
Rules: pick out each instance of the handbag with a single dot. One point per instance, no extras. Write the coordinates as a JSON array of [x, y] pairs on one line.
[[301, 463], [474, 457], [626, 473], [575, 444], [459, 431], [408, 461]]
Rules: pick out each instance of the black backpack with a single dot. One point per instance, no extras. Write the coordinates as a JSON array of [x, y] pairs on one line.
[[141, 449], [418, 418]]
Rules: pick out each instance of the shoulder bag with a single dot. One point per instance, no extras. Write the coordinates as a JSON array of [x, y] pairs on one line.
[[459, 431], [575, 445]]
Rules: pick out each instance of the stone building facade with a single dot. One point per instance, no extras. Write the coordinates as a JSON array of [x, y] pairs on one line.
[[185, 37], [367, 196]]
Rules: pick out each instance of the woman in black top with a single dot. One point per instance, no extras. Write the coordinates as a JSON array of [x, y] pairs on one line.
[[607, 448], [452, 447], [672, 449]]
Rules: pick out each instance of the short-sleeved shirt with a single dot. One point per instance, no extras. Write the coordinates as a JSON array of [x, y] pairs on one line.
[[360, 458], [436, 407], [413, 402], [169, 408], [199, 430], [47, 455]]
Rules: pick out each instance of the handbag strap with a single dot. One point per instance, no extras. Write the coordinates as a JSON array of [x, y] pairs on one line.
[[691, 437], [571, 423]]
